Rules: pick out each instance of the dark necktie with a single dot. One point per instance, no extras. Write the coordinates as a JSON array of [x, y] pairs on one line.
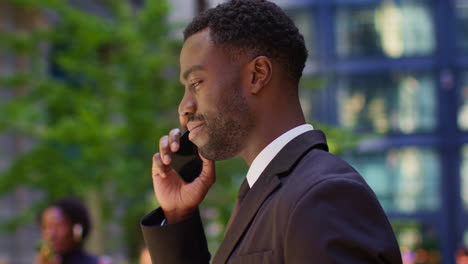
[[242, 193]]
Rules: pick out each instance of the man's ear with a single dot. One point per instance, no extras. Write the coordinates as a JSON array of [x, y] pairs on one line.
[[261, 70]]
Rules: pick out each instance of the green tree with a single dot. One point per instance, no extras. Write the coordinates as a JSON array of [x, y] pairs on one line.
[[94, 96]]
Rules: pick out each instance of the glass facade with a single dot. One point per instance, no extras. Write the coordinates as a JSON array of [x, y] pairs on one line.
[[461, 12], [464, 177], [463, 101], [394, 73], [389, 28], [404, 179], [389, 102]]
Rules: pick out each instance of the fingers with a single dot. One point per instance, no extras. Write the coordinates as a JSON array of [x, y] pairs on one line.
[[169, 144], [164, 150], [158, 168], [174, 139]]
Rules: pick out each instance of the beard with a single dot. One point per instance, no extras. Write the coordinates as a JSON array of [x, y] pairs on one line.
[[228, 129]]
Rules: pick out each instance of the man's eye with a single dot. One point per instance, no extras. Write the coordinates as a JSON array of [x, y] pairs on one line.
[[195, 84]]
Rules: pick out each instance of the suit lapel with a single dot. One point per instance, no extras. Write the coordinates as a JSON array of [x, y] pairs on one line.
[[265, 185]]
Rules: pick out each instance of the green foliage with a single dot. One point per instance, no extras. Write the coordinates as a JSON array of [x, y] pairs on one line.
[[95, 122], [219, 202]]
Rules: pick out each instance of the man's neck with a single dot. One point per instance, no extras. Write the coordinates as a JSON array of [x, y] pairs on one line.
[[265, 134]]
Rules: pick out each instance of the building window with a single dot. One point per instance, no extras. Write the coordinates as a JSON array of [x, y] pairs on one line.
[[391, 29], [388, 102], [405, 180]]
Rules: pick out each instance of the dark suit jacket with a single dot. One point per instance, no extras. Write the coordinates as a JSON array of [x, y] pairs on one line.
[[308, 206]]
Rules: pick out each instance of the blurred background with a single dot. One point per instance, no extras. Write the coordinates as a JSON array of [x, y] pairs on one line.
[[87, 87]]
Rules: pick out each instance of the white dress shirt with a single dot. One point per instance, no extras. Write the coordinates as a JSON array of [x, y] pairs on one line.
[[269, 152]]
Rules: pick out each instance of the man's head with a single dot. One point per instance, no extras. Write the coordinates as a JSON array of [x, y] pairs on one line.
[[233, 57], [252, 28]]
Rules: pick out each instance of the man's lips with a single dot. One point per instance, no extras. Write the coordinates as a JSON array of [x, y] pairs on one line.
[[194, 128], [193, 125]]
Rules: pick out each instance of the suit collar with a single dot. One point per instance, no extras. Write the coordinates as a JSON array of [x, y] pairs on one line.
[[268, 182], [291, 153], [265, 156]]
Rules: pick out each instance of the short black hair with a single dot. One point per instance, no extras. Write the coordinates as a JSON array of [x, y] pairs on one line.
[[255, 28], [75, 211]]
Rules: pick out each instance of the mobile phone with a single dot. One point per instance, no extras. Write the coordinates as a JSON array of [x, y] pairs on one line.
[[186, 161]]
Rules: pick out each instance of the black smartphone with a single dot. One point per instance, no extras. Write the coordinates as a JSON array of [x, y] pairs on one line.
[[186, 161]]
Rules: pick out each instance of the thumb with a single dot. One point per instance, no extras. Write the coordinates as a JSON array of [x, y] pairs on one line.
[[207, 174]]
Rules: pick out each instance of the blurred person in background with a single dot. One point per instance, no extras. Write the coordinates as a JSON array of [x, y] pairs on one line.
[[65, 224]]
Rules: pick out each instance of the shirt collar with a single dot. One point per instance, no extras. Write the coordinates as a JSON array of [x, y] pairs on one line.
[[271, 150]]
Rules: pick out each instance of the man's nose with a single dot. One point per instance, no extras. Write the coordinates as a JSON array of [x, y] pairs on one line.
[[187, 107]]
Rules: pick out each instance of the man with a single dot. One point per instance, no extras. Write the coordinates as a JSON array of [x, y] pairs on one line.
[[240, 65]]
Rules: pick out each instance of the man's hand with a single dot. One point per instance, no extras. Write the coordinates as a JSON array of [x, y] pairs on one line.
[[177, 198]]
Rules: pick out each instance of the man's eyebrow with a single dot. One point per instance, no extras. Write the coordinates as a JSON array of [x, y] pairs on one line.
[[192, 69]]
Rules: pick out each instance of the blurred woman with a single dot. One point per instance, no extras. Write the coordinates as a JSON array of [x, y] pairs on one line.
[[64, 226]]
